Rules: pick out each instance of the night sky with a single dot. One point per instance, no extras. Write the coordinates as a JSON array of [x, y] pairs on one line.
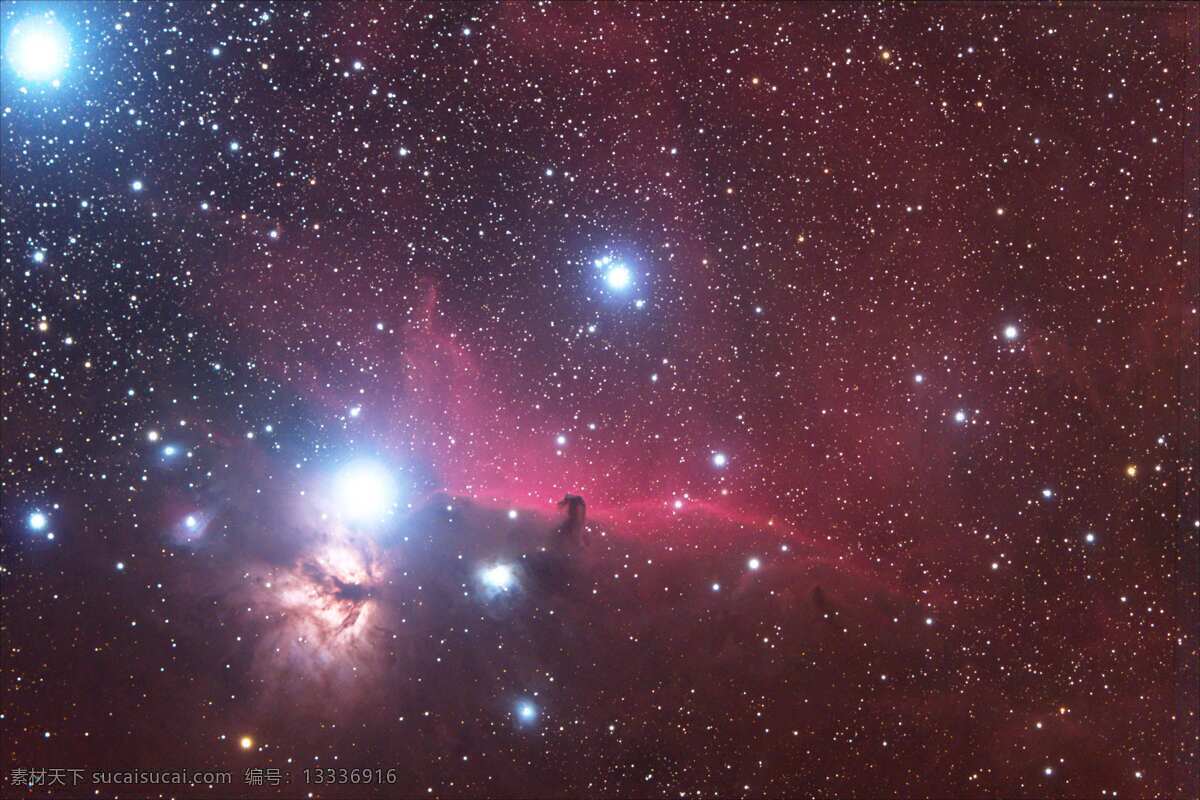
[[867, 334]]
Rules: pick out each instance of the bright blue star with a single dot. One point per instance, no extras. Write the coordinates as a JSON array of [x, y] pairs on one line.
[[38, 521], [191, 530], [39, 48], [500, 577], [365, 491], [619, 277], [526, 711]]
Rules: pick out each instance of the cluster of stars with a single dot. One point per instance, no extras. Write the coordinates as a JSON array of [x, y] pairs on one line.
[[836, 314]]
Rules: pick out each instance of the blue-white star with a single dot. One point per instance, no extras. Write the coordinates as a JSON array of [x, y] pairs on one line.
[[39, 48], [526, 712]]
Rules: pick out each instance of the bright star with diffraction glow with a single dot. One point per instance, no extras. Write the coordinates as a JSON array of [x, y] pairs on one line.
[[364, 491], [38, 48]]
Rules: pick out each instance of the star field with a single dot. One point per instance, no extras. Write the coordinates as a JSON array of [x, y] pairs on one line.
[[606, 400]]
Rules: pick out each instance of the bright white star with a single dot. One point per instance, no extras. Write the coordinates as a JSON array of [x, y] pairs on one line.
[[37, 521], [498, 577], [526, 711], [618, 277], [39, 48], [365, 491]]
